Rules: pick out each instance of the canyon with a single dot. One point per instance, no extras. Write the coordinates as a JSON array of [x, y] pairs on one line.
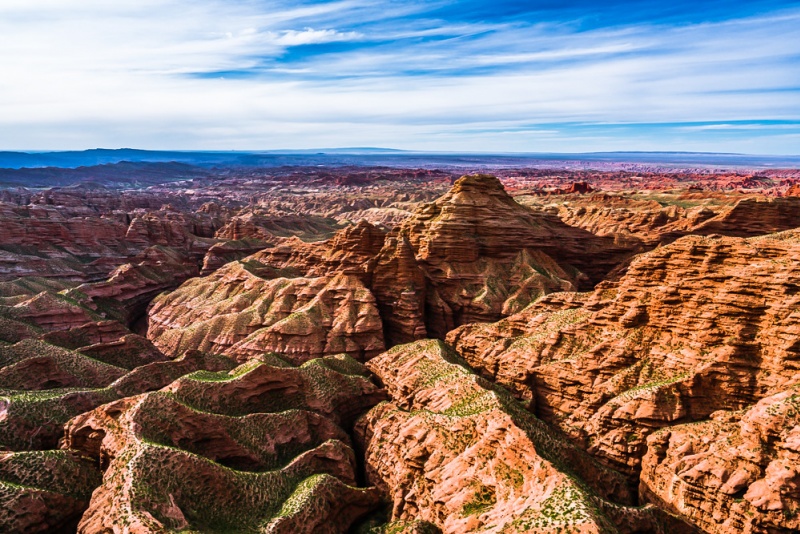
[[391, 350]]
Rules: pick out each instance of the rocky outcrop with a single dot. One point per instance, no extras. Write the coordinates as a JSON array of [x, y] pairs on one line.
[[257, 449], [260, 224], [130, 287], [228, 251], [50, 312], [753, 217], [399, 286], [487, 256], [84, 244], [453, 450], [44, 491], [645, 221], [44, 386], [737, 472], [246, 309], [350, 251], [669, 388], [701, 325]]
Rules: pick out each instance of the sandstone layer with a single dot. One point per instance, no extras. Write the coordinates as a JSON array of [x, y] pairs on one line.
[[247, 308], [701, 325], [257, 449], [452, 450]]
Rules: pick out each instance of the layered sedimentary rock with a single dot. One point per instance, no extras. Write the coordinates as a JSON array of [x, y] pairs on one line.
[[701, 325], [260, 224], [672, 385], [257, 449], [754, 216], [44, 491], [228, 251], [487, 256], [400, 285], [83, 243], [130, 287], [697, 326], [42, 386], [452, 450], [351, 251], [247, 308], [737, 472], [647, 220]]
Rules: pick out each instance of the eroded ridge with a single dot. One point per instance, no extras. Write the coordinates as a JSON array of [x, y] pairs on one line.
[[452, 450], [258, 449]]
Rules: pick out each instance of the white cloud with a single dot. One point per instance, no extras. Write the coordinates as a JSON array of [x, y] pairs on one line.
[[311, 36], [96, 73]]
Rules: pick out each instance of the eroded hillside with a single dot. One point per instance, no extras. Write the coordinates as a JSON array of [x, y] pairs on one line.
[[384, 353]]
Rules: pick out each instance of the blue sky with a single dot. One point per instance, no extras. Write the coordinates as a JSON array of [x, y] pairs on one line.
[[491, 76]]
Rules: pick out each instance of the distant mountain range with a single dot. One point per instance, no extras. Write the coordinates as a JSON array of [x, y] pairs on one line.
[[367, 156]]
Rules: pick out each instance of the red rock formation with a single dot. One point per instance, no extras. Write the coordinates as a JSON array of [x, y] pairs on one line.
[[697, 326], [487, 256], [453, 451], [245, 310], [579, 188], [132, 286], [754, 216], [678, 374], [737, 472], [647, 223], [793, 191], [399, 286], [266, 468], [228, 251], [351, 251], [44, 491]]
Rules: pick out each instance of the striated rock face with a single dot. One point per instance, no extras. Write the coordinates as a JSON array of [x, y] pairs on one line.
[[43, 386], [350, 251], [754, 216], [262, 224], [257, 449], [84, 243], [665, 399], [44, 491], [643, 222], [701, 325], [399, 286], [452, 450], [737, 472], [228, 251], [246, 309], [132, 286], [486, 256], [473, 255]]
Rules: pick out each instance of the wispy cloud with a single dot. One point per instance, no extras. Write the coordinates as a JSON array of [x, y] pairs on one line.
[[311, 36], [436, 74]]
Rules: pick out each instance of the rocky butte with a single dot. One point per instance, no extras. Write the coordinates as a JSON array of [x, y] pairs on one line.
[[378, 351]]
